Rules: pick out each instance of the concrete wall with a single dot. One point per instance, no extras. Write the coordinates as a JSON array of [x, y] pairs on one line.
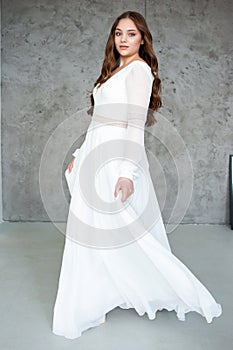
[[52, 54]]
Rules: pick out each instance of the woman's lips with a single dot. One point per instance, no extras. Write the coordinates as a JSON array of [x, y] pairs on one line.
[[123, 47]]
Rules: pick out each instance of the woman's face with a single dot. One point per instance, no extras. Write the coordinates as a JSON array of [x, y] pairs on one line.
[[127, 38]]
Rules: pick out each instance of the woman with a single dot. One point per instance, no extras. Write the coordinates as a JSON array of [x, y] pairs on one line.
[[116, 251]]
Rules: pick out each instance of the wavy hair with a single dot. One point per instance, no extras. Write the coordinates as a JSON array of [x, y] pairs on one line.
[[146, 52]]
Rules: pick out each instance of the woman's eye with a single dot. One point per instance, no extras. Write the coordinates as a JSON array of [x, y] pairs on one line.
[[130, 34]]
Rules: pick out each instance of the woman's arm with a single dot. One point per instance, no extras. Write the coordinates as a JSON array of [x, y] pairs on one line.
[[139, 86], [76, 152], [71, 163]]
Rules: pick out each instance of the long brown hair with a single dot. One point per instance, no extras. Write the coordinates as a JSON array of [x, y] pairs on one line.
[[146, 52]]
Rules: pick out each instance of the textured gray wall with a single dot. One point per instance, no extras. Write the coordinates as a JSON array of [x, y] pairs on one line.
[[52, 53]]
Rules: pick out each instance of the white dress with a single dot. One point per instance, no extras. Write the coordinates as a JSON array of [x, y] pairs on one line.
[[118, 254]]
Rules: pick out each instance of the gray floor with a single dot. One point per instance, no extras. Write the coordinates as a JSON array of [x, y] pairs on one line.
[[30, 265]]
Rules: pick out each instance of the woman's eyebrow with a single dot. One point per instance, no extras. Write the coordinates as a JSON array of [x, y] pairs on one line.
[[128, 30]]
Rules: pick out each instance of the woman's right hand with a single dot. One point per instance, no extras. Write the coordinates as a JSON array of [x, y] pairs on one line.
[[125, 185], [70, 165]]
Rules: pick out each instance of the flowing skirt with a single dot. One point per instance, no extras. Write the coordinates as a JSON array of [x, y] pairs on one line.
[[118, 254]]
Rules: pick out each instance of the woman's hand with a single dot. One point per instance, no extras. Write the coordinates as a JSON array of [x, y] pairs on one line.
[[71, 164], [126, 186]]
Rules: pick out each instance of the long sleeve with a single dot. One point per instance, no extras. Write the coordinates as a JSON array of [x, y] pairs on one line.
[[138, 86], [76, 152]]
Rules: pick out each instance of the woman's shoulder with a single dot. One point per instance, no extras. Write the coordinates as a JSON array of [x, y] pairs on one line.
[[140, 65]]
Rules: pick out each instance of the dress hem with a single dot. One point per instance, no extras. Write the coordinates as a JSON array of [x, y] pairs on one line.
[[180, 314]]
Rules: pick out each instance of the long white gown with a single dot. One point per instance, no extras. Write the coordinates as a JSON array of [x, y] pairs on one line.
[[118, 254]]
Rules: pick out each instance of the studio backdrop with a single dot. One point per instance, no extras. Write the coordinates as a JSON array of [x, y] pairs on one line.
[[52, 52]]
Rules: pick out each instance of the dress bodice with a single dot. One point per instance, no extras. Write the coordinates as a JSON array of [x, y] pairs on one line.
[[127, 91]]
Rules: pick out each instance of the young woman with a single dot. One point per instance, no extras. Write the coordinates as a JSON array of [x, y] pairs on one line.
[[116, 250]]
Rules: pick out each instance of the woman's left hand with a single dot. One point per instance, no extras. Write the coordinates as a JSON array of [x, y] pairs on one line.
[[126, 186]]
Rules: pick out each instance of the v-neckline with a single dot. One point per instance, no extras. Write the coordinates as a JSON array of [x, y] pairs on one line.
[[127, 65], [121, 71]]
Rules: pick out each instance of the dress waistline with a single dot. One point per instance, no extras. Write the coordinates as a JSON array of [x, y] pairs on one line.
[[109, 121]]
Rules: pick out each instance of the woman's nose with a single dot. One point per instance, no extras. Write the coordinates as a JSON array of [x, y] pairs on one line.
[[123, 38]]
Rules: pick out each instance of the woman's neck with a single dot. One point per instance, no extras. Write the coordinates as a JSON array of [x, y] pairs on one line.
[[124, 61]]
